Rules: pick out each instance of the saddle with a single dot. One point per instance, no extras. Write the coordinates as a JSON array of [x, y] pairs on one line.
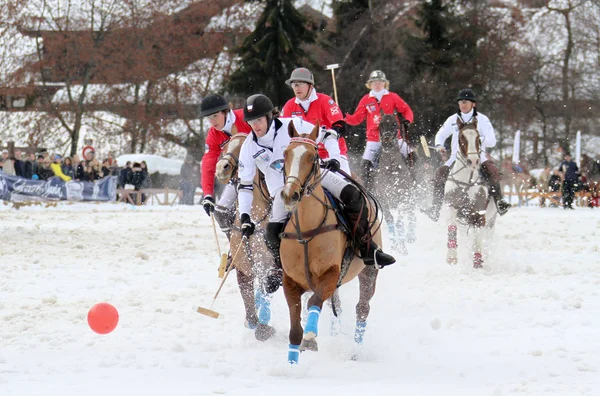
[[342, 224]]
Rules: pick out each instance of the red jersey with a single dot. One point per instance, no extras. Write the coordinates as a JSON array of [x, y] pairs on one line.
[[323, 111], [215, 141], [370, 108]]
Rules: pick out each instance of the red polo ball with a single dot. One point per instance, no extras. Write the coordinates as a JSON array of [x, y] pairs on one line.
[[103, 318]]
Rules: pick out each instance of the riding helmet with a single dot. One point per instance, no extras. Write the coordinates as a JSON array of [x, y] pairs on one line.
[[466, 94], [212, 104], [377, 75], [257, 106], [301, 74]]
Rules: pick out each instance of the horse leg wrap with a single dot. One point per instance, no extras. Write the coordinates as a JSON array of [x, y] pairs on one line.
[[293, 354], [452, 237], [263, 307], [477, 260], [359, 332], [312, 323]]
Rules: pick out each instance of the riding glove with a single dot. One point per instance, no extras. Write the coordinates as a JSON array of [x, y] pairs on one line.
[[209, 204], [247, 225], [332, 165]]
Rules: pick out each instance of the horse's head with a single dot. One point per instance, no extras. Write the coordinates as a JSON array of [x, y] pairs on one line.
[[227, 165], [301, 165], [469, 143], [388, 128]]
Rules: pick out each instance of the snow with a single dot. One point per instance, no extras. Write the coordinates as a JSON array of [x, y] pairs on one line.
[[527, 324], [155, 163]]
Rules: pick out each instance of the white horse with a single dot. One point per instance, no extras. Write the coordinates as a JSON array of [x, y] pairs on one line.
[[467, 195]]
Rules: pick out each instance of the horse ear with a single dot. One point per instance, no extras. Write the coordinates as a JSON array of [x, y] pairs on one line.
[[460, 123], [314, 134], [292, 130]]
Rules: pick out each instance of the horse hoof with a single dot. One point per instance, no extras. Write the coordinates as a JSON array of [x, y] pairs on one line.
[[264, 332], [309, 345], [477, 265], [452, 260]]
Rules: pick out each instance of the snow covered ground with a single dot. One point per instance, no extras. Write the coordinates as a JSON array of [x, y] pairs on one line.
[[529, 324]]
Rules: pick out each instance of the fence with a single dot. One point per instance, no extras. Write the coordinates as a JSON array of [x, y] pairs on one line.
[[582, 198], [159, 196]]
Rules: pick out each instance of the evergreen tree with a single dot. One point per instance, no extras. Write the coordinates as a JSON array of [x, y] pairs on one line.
[[443, 59], [270, 53]]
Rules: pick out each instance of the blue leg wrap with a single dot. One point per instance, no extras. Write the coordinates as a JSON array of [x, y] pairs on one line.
[[312, 322], [359, 332], [391, 229], [293, 354], [263, 307]]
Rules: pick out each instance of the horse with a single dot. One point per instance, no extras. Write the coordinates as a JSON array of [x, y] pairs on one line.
[[467, 194], [257, 260], [590, 168], [313, 247], [394, 184], [517, 179]]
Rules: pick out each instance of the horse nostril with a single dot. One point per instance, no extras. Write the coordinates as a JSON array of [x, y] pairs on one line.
[[295, 196], [469, 162], [226, 166]]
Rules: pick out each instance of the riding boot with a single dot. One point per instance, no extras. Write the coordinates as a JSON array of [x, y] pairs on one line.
[[225, 218], [439, 184], [273, 242], [492, 175], [367, 173], [357, 214]]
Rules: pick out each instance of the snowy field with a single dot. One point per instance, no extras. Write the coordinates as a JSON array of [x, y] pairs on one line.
[[528, 324]]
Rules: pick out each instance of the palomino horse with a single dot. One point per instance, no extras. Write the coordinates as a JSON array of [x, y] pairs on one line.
[[312, 258], [394, 184], [257, 260], [467, 194], [517, 181]]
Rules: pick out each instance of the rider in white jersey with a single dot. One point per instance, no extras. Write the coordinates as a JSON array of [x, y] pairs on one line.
[[263, 150]]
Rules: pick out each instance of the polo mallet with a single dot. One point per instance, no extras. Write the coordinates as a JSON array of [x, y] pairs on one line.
[[425, 147], [208, 311], [332, 68], [222, 256]]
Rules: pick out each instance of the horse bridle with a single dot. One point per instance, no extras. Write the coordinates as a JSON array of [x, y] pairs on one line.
[[460, 156], [305, 188], [231, 158]]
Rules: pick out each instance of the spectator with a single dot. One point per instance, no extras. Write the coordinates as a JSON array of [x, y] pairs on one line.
[[147, 178], [569, 172], [18, 164], [8, 166], [544, 185], [57, 168], [138, 179], [67, 168], [189, 181], [125, 175], [30, 166], [78, 167], [105, 168], [89, 174], [45, 172]]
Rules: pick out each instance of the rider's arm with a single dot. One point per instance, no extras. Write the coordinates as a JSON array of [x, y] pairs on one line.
[[403, 108], [359, 115], [444, 133], [246, 172], [209, 163], [487, 132], [331, 144]]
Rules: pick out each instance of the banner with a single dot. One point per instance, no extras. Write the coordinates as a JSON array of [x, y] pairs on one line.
[[516, 148], [56, 189]]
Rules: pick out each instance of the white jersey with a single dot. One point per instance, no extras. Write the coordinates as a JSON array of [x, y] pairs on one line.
[[450, 128], [266, 155]]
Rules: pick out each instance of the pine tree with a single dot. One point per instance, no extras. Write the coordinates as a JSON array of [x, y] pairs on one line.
[[270, 53], [443, 58]]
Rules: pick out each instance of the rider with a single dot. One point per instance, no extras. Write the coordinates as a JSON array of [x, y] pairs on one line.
[[377, 102], [263, 150], [222, 120], [467, 102], [316, 108]]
